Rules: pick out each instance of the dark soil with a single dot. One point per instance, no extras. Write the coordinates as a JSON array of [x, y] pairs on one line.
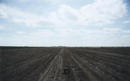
[[64, 64]]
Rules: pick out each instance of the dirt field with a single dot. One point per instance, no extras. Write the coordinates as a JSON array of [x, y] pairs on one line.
[[64, 64]]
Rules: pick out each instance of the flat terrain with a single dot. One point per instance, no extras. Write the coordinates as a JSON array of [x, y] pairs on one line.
[[64, 64]]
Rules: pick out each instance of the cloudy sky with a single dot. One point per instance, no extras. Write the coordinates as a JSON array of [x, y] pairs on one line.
[[64, 23]]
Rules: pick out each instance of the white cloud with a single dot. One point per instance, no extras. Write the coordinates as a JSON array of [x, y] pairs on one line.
[[69, 37], [18, 16], [3, 13], [35, 38], [24, 0], [53, 1], [102, 12], [127, 22], [98, 13], [68, 14], [30, 19], [2, 27]]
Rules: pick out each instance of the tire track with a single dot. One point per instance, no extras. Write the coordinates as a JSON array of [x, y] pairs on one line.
[[101, 69], [65, 64], [78, 72], [23, 71], [88, 72], [34, 75], [54, 70]]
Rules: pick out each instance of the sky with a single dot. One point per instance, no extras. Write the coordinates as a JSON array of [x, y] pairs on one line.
[[64, 23]]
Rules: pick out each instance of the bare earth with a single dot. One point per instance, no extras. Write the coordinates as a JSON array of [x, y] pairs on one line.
[[64, 64]]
